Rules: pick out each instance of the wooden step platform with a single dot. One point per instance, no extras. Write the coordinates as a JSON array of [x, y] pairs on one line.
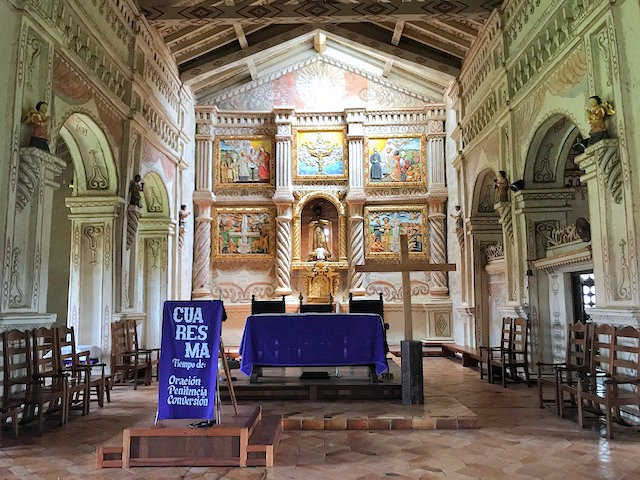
[[285, 384], [246, 439]]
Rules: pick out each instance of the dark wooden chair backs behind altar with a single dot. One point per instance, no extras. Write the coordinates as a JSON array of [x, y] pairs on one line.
[[316, 307], [267, 306], [370, 306]]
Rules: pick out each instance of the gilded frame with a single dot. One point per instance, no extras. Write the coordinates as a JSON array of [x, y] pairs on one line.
[[424, 225], [311, 178], [423, 161], [217, 168], [216, 233]]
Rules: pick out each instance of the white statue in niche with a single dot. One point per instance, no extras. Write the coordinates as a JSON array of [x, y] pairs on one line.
[[320, 236]]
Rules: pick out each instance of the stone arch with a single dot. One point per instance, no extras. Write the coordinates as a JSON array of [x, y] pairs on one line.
[[154, 243], [486, 255], [95, 171], [83, 235], [308, 197], [548, 151]]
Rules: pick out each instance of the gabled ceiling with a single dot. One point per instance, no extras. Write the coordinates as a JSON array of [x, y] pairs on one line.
[[221, 44]]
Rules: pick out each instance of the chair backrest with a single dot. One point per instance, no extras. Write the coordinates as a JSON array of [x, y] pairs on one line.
[[506, 333], [602, 348], [316, 307], [45, 353], [16, 354], [626, 355], [520, 336], [366, 306], [118, 343], [578, 345], [66, 346], [131, 332], [267, 306]]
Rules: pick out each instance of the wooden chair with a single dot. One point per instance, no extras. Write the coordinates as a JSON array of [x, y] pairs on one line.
[[576, 360], [570, 380], [24, 384], [47, 362], [624, 369], [126, 365], [78, 364], [316, 307], [489, 358], [267, 306], [518, 354], [372, 306], [151, 355]]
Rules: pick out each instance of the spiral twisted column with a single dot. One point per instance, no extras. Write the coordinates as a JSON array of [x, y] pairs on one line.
[[356, 251], [283, 251], [438, 245], [203, 200]]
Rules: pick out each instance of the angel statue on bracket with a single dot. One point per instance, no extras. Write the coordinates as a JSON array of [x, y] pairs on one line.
[[39, 122], [597, 113]]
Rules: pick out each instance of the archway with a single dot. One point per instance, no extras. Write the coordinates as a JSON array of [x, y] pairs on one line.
[[82, 235], [547, 209], [488, 286], [156, 231]]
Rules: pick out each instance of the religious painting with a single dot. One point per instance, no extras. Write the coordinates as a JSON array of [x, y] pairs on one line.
[[244, 162], [384, 225], [395, 161], [244, 233], [320, 154]]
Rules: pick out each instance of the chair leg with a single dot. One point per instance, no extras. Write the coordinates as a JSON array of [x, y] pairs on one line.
[[527, 377], [609, 421], [561, 402], [580, 410], [540, 400], [135, 375], [107, 389], [40, 418], [504, 373], [14, 423], [100, 392]]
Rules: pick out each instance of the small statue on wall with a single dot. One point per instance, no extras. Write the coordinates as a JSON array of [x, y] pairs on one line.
[[182, 221], [321, 235], [597, 113], [502, 187], [459, 223], [39, 122], [136, 187]]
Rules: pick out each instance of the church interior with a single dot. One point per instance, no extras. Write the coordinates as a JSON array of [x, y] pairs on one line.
[[460, 168]]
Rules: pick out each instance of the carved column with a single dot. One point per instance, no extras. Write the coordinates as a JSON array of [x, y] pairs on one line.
[[203, 200], [614, 232], [283, 198], [355, 199], [438, 243], [435, 158]]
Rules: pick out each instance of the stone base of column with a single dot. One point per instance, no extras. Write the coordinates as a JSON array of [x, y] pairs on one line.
[[202, 294], [357, 292], [282, 291], [439, 291]]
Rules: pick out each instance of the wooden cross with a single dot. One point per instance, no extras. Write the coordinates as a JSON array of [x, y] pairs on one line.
[[406, 266]]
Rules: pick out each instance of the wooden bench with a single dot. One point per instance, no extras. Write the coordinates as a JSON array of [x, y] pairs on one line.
[[264, 441], [471, 357]]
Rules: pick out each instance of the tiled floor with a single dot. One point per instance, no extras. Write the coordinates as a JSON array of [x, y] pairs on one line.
[[516, 440]]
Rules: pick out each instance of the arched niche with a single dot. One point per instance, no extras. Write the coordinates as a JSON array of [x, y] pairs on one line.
[[549, 152], [155, 198], [484, 194], [95, 173], [301, 208]]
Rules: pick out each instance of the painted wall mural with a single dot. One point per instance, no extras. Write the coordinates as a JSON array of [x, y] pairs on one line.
[[319, 84], [384, 225], [243, 233], [320, 154], [244, 162], [397, 161]]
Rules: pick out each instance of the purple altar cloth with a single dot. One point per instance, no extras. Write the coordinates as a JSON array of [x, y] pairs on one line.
[[313, 340]]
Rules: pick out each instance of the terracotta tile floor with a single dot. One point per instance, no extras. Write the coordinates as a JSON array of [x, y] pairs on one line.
[[516, 440]]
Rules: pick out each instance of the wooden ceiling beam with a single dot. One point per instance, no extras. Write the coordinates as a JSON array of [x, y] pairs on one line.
[[311, 12]]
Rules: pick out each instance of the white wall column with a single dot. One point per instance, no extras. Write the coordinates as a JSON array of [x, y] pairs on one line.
[[356, 198], [283, 198], [203, 200]]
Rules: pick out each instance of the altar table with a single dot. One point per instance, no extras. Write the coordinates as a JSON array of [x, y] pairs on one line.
[[313, 340]]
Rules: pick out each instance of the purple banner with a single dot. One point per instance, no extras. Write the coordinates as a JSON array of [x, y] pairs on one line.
[[189, 359]]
